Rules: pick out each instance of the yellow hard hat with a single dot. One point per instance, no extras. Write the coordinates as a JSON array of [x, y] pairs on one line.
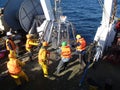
[[78, 36], [28, 36], [44, 44]]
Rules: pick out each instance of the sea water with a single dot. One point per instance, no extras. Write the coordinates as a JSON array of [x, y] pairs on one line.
[[84, 14]]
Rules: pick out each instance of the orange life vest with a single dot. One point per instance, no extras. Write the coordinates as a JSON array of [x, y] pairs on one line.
[[82, 44], [13, 46], [65, 52], [13, 67]]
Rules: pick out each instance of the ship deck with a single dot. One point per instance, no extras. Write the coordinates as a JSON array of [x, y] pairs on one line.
[[102, 71]]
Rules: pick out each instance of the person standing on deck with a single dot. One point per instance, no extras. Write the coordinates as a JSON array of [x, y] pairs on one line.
[[10, 45], [29, 45], [65, 56], [14, 68], [80, 46], [43, 58]]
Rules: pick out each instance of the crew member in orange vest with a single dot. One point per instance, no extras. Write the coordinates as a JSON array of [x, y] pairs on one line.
[[81, 43], [81, 46], [65, 56], [43, 58], [14, 68], [10, 45], [29, 45]]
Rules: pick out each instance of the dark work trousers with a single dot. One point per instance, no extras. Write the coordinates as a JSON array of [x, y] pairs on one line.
[[81, 56], [63, 63], [30, 54]]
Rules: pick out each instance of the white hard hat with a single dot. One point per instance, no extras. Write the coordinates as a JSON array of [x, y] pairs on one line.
[[9, 33]]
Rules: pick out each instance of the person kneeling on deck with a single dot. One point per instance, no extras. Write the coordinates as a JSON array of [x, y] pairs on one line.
[[43, 58], [29, 45], [65, 56], [14, 68], [80, 47]]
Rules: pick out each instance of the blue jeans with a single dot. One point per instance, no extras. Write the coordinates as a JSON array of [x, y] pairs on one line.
[[63, 62], [81, 52], [81, 55]]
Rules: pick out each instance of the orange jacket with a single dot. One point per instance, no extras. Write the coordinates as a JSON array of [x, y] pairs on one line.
[[14, 66], [10, 45], [65, 52], [82, 45], [30, 43]]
